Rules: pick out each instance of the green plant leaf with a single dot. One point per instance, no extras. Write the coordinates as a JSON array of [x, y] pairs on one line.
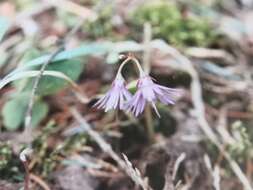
[[49, 84], [14, 110], [28, 74], [28, 56], [86, 49], [39, 112], [4, 57]]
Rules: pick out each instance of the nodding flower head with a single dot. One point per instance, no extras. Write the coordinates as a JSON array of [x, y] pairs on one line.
[[115, 97], [150, 92]]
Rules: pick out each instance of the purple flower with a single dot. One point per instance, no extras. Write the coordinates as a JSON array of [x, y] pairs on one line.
[[115, 97], [150, 92]]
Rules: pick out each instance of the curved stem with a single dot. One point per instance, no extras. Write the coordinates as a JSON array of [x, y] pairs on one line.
[[27, 176], [141, 72], [119, 75], [130, 58]]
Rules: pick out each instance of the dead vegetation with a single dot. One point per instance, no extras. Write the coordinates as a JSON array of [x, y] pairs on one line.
[[59, 57]]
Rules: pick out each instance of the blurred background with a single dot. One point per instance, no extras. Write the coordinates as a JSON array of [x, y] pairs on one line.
[[71, 49]]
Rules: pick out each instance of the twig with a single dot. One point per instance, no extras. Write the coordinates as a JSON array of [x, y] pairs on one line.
[[27, 176], [222, 127], [171, 176], [249, 167], [179, 160], [39, 181], [23, 157], [108, 149], [215, 172], [205, 53], [135, 173], [28, 117]]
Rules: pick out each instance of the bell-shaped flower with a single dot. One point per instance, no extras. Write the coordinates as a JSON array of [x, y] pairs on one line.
[[148, 91], [116, 97]]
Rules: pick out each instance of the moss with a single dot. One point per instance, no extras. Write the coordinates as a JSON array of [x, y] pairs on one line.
[[48, 158], [101, 27], [11, 168], [241, 148], [169, 24], [5, 154]]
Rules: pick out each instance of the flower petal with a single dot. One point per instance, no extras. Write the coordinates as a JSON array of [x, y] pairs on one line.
[[141, 105], [101, 102], [156, 111], [115, 97]]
